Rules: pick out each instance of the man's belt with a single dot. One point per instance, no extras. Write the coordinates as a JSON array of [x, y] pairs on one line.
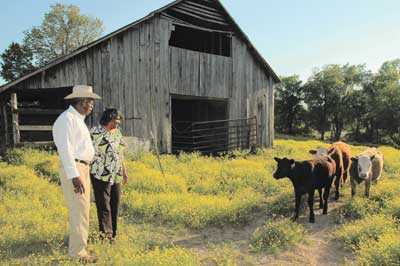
[[82, 161]]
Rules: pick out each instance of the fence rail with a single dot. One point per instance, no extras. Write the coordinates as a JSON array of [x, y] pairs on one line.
[[211, 137]]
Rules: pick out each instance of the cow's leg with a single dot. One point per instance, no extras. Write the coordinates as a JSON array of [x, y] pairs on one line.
[[321, 202], [367, 186], [353, 186], [296, 211], [326, 195], [311, 205], [345, 173], [338, 181]]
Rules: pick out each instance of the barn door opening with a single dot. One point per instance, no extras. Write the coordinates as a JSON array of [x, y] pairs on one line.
[[36, 110], [197, 123]]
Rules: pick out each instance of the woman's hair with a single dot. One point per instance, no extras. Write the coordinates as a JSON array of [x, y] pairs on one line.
[[108, 115]]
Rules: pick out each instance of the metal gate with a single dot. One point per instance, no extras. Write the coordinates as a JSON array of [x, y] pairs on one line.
[[211, 137]]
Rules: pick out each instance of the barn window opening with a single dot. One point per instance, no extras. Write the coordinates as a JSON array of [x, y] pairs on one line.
[[210, 42]]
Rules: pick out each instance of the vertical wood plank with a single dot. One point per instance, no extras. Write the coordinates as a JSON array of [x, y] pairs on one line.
[[5, 121], [97, 82], [15, 122]]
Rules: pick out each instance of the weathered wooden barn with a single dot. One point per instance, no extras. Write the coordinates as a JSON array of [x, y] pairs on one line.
[[185, 76]]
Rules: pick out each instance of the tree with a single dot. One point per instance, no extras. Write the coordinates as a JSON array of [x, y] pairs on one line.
[[351, 78], [289, 107], [328, 97], [16, 61], [63, 30], [385, 107], [321, 97]]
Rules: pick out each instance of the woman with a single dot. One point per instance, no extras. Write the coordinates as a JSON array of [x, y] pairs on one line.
[[107, 170]]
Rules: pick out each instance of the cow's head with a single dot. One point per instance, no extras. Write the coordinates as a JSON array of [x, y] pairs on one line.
[[321, 151], [284, 168], [363, 163]]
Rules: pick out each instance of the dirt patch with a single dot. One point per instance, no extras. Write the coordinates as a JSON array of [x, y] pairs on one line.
[[318, 248]]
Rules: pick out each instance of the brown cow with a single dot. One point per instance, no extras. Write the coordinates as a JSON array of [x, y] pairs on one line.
[[340, 152], [306, 177]]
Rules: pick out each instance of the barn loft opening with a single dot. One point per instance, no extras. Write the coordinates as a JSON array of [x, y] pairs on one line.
[[198, 124], [210, 42]]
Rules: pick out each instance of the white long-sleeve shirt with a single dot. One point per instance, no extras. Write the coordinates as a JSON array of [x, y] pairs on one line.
[[72, 139]]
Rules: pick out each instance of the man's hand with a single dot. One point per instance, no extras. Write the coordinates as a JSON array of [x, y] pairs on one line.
[[78, 185]]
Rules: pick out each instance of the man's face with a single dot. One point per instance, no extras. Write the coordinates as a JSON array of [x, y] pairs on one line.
[[87, 106]]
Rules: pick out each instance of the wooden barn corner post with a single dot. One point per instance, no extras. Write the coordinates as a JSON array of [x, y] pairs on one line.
[[15, 123], [4, 122]]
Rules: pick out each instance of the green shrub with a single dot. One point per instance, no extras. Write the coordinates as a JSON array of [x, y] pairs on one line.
[[276, 235], [193, 210], [44, 163], [357, 208], [384, 252], [48, 170], [357, 232], [14, 156], [32, 212]]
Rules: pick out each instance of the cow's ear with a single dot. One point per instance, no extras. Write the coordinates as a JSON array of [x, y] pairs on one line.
[[277, 159], [313, 152], [354, 159]]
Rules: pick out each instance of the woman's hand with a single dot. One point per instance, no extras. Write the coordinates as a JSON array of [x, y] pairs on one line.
[[125, 178]]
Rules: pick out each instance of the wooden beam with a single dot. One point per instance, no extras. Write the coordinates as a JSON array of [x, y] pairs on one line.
[[176, 21], [35, 128], [204, 7], [5, 120], [39, 111], [15, 122], [36, 143], [179, 10], [202, 12]]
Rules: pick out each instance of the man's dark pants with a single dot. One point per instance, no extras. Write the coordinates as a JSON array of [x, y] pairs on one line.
[[107, 199]]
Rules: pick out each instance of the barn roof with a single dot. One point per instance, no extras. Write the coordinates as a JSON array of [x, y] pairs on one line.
[[201, 9]]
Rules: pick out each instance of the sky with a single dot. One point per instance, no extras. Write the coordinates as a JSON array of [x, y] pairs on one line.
[[294, 36]]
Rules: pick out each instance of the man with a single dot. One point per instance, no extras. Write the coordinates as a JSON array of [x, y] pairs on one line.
[[75, 150]]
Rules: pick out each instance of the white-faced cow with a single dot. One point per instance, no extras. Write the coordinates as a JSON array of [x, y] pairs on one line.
[[306, 177], [340, 152], [368, 167]]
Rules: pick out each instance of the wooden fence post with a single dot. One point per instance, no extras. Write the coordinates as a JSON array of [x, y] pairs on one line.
[[15, 123]]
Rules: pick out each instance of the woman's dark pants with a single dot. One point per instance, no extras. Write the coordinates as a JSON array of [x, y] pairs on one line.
[[107, 199]]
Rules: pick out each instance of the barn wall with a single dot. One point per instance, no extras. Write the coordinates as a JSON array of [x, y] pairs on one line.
[[252, 93], [136, 71]]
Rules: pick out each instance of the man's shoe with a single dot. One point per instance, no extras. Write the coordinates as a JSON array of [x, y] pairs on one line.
[[88, 259]]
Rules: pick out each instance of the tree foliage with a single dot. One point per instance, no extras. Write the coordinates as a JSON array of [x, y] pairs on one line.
[[63, 29], [289, 107], [16, 61], [345, 98]]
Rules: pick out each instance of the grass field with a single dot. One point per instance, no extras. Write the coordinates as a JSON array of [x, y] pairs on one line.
[[205, 211]]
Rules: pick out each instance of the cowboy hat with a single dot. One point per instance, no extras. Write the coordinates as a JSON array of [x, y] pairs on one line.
[[82, 91]]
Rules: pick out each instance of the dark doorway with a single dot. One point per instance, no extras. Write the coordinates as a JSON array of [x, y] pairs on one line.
[[37, 111], [196, 124]]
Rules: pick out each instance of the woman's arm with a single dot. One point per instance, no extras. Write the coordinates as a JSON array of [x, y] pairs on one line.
[[124, 173]]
